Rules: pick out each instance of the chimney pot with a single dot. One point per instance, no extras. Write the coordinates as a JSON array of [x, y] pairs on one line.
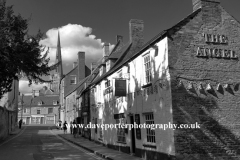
[[119, 38], [106, 50], [93, 66], [136, 28], [200, 3], [211, 12], [74, 64], [81, 66]]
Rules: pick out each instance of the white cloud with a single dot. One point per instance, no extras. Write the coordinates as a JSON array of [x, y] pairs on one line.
[[73, 38], [24, 88]]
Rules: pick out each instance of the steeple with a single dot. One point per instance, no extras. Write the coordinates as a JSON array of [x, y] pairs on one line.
[[59, 69], [58, 73]]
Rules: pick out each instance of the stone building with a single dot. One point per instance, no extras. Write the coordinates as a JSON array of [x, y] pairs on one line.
[[39, 107], [9, 110], [186, 75], [72, 80]]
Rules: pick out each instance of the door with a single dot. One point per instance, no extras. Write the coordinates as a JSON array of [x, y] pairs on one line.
[[28, 120], [42, 120], [38, 120], [133, 145]]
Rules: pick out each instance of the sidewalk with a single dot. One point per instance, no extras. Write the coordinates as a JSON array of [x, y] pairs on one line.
[[12, 134], [98, 149]]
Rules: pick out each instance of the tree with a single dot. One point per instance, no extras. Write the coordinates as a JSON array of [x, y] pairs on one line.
[[20, 53]]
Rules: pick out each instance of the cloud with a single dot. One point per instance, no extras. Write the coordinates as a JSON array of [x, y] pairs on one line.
[[73, 38], [24, 88]]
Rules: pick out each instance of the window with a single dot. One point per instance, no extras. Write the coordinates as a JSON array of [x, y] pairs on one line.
[[50, 118], [147, 68], [25, 110], [100, 130], [107, 83], [50, 110], [40, 103], [73, 80], [120, 131], [150, 133], [54, 102], [38, 111]]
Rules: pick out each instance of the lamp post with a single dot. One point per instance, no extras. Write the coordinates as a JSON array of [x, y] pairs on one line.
[[22, 106]]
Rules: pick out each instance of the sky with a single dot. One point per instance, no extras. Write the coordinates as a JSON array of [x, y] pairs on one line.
[[84, 25]]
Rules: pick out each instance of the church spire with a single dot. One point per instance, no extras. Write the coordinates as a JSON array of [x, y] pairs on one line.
[[59, 69]]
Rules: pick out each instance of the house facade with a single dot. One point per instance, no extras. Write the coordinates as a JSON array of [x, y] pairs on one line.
[[72, 81], [39, 108], [185, 76]]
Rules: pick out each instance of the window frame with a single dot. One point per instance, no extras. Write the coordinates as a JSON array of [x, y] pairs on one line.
[[25, 110], [50, 112], [39, 111], [71, 79], [121, 137], [55, 102], [147, 67], [150, 134], [100, 129]]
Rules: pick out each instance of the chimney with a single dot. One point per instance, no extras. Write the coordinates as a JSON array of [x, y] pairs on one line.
[[106, 50], [33, 93], [211, 12], [93, 66], [81, 66], [119, 38], [74, 64], [136, 34]]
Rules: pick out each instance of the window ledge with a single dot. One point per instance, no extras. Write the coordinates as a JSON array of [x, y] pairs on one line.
[[147, 85], [150, 146], [121, 142]]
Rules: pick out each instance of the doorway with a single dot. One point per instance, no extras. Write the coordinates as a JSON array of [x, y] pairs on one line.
[[133, 144]]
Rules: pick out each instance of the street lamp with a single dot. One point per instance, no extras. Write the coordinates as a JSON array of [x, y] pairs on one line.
[[22, 106]]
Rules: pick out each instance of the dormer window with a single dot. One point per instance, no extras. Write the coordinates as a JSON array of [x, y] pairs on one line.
[[40, 103], [55, 102], [73, 80]]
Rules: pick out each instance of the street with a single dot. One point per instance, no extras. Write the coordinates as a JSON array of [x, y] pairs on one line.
[[42, 143]]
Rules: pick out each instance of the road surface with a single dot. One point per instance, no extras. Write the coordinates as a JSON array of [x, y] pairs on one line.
[[42, 143]]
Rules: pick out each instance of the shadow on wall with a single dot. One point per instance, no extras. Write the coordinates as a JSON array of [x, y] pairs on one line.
[[212, 140]]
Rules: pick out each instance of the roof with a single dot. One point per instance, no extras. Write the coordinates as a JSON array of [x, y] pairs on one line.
[[46, 100], [78, 85], [116, 52], [128, 55]]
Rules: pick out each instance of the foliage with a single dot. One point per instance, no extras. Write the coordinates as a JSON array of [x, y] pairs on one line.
[[20, 53]]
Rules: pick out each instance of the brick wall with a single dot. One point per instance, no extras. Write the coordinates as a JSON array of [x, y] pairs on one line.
[[216, 110]]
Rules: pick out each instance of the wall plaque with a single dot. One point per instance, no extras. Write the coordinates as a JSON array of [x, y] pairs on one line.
[[207, 52]]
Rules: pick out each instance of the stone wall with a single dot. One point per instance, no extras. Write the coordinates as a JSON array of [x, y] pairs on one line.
[[8, 122], [205, 87]]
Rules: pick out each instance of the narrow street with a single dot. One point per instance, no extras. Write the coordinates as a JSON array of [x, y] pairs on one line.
[[42, 143]]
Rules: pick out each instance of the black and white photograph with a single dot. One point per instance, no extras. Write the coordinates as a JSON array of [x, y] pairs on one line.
[[119, 80]]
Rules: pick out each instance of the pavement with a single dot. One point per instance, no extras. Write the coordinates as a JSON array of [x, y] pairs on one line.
[[12, 134], [39, 143], [95, 148]]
